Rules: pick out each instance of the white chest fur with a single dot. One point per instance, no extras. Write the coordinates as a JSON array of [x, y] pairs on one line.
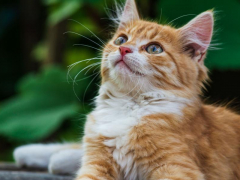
[[115, 117]]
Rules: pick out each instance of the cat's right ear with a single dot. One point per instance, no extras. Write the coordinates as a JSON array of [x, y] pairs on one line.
[[197, 34], [129, 13]]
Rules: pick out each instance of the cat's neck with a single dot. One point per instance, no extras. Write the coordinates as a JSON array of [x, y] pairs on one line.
[[108, 92]]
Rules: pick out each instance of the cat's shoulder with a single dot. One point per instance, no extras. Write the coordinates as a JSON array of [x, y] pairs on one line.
[[221, 115], [220, 109]]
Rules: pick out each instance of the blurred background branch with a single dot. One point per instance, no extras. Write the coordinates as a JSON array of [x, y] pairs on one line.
[[38, 103]]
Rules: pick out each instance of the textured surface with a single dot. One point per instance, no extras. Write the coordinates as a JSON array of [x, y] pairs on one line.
[[10, 171], [16, 175]]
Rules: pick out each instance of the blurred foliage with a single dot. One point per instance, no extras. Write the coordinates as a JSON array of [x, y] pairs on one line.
[[60, 10], [40, 106], [50, 104], [227, 27]]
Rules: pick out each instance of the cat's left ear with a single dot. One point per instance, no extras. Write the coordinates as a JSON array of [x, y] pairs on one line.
[[129, 14], [197, 34]]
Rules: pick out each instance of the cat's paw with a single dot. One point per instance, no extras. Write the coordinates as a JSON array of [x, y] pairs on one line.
[[35, 155], [65, 161], [85, 178]]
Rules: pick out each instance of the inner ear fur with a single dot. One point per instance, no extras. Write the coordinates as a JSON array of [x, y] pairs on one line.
[[196, 35], [129, 13]]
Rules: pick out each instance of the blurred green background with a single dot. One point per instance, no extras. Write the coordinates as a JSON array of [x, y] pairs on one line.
[[39, 102]]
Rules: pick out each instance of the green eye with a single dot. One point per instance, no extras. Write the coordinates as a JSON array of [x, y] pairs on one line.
[[154, 49], [120, 40]]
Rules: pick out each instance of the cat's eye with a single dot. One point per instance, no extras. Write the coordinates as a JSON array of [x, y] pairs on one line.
[[120, 40], [154, 49]]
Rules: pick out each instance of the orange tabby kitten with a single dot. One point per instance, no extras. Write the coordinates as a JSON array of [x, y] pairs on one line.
[[149, 122]]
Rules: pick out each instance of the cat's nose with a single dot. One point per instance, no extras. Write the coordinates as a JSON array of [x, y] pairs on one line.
[[124, 50]]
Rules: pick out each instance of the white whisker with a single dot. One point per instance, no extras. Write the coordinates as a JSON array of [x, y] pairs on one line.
[[84, 37], [89, 31], [91, 68], [74, 64], [89, 85], [181, 17], [88, 46], [83, 70]]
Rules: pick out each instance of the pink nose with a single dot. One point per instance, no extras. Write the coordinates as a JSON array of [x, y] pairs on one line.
[[124, 50]]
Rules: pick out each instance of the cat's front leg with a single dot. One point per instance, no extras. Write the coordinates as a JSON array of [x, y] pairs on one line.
[[177, 171], [97, 162]]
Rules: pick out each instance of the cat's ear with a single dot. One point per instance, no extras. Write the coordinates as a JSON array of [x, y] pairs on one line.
[[197, 34], [129, 13]]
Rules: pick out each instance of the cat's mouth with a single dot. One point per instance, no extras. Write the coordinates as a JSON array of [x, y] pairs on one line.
[[122, 63]]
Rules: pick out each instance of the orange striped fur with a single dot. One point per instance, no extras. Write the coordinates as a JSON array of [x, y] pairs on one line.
[[149, 122]]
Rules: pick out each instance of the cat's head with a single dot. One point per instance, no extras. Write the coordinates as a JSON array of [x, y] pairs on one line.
[[146, 56]]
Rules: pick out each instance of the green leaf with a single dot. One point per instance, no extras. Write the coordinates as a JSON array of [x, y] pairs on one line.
[[44, 101], [64, 10], [40, 51]]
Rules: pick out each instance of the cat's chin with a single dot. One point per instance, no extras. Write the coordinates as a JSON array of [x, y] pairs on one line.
[[122, 65], [124, 69]]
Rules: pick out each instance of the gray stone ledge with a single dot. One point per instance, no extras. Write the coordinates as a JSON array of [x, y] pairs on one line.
[[14, 167], [15, 175], [10, 171]]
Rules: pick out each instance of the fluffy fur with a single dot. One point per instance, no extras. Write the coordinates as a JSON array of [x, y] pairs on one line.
[[57, 158], [149, 122]]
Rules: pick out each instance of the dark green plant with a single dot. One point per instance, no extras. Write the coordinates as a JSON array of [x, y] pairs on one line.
[[43, 102]]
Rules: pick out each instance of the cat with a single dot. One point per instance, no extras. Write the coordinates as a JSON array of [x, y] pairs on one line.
[[149, 122]]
